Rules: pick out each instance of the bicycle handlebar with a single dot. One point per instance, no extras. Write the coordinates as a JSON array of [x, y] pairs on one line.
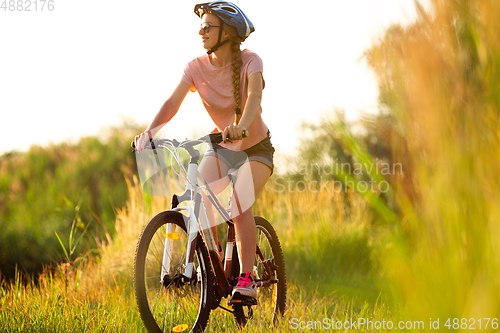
[[217, 137], [210, 138]]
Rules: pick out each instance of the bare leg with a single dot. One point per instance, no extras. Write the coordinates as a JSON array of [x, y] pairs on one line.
[[215, 174], [252, 177]]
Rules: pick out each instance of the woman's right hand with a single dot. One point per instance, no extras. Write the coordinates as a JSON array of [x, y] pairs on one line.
[[142, 140]]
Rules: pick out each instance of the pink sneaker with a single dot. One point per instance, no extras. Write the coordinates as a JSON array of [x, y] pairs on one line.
[[246, 286]]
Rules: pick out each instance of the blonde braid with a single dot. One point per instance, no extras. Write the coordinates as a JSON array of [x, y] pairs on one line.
[[236, 68]]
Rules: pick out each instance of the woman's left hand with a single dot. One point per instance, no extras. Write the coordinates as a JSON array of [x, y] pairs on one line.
[[235, 132]]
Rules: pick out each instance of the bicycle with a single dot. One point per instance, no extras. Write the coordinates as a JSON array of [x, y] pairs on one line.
[[179, 276]]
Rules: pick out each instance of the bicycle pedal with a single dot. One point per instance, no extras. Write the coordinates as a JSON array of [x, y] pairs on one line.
[[239, 299]]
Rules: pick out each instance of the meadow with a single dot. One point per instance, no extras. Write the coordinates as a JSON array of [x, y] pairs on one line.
[[423, 249], [97, 295], [48, 193]]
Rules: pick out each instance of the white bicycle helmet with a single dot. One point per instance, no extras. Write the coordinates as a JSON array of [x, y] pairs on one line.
[[228, 13]]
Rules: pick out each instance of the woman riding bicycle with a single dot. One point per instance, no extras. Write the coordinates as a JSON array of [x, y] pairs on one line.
[[230, 83]]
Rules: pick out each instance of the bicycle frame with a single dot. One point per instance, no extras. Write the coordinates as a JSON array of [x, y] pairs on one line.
[[204, 227], [198, 221]]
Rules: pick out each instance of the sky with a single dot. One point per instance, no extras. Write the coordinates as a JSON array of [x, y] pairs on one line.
[[87, 65]]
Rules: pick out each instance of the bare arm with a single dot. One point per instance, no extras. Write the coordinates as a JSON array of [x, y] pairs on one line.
[[252, 106], [167, 111]]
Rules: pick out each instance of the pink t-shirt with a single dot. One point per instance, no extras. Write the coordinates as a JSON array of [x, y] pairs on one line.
[[215, 86]]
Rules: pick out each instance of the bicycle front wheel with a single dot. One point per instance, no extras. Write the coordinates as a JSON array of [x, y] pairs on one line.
[[269, 270], [171, 303]]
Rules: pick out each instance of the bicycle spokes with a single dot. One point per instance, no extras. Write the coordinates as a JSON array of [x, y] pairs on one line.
[[168, 300]]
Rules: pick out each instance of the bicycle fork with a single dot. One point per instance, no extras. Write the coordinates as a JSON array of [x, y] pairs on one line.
[[192, 231], [191, 228], [167, 250]]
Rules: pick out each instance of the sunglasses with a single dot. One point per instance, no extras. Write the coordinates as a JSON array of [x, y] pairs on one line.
[[206, 27]]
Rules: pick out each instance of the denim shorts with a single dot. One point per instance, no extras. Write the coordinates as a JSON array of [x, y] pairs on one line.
[[262, 152]]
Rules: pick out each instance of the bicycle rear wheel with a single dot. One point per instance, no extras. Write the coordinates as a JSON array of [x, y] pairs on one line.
[[268, 266], [171, 305]]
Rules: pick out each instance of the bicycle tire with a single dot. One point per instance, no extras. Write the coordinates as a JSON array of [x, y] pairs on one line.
[[270, 299], [167, 309]]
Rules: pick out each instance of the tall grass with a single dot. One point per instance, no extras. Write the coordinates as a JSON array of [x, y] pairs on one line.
[[98, 295], [440, 79]]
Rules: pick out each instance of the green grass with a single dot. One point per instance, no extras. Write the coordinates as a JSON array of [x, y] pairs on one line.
[[51, 308], [63, 188]]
